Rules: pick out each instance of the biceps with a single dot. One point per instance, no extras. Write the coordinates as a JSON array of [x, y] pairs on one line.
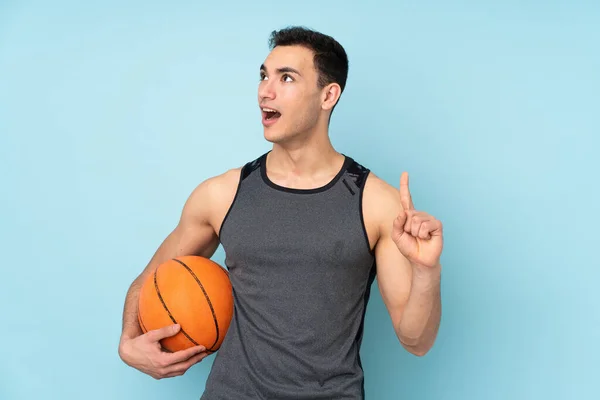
[[394, 276], [196, 238]]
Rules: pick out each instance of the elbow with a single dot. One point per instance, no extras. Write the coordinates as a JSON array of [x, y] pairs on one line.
[[418, 346], [417, 343], [418, 350]]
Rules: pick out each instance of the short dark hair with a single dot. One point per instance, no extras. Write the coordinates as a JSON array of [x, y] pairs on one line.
[[330, 58]]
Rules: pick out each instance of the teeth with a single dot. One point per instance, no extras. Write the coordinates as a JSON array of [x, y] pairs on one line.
[[268, 110]]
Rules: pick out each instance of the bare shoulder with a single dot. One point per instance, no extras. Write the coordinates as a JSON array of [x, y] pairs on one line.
[[220, 187], [381, 197], [214, 194], [381, 204]]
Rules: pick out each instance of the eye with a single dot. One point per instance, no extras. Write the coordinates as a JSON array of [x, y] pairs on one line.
[[262, 76], [287, 78]]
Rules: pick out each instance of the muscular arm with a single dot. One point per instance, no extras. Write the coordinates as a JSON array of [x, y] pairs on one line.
[[194, 234], [411, 296]]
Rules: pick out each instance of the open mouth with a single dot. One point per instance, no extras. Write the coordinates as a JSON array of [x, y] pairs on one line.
[[270, 114]]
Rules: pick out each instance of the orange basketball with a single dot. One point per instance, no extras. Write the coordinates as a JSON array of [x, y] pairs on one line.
[[194, 292]]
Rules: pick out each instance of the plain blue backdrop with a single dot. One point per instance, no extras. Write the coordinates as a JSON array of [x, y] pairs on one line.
[[111, 113]]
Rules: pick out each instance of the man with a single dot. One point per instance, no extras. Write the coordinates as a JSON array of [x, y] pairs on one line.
[[305, 230]]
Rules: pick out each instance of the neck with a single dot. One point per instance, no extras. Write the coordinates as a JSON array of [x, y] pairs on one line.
[[310, 155]]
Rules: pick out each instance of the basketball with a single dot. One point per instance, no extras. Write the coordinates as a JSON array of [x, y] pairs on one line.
[[192, 291]]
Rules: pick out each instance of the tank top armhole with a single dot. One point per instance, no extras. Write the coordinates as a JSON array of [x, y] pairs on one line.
[[244, 173], [362, 213], [359, 175]]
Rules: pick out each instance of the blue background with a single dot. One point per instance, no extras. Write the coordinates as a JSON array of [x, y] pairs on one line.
[[110, 114]]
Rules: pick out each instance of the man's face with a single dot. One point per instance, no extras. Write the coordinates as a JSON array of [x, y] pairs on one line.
[[288, 86]]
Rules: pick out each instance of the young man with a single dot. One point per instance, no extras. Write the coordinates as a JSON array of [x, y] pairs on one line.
[[305, 230]]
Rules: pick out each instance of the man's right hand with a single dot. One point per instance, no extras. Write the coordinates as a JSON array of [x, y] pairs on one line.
[[145, 354]]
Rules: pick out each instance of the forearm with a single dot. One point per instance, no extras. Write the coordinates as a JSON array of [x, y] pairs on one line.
[[418, 327], [131, 326], [197, 239]]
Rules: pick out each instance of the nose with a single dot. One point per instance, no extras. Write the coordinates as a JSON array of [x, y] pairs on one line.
[[266, 90]]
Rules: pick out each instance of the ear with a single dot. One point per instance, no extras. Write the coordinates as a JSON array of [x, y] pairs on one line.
[[330, 96]]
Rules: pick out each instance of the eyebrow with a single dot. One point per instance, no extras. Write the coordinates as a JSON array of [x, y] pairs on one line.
[[282, 70]]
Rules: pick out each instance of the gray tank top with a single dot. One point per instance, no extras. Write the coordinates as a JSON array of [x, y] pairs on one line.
[[301, 269]]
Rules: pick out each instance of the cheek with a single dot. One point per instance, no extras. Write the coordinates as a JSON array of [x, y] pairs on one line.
[[300, 107]]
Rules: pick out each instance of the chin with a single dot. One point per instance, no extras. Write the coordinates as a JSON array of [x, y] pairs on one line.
[[274, 136]]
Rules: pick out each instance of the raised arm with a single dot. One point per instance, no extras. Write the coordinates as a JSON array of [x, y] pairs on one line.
[[194, 234], [408, 268]]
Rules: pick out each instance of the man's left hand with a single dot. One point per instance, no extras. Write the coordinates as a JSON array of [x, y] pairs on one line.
[[417, 234]]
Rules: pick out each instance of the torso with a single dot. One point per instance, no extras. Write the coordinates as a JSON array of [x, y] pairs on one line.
[[301, 263], [228, 184]]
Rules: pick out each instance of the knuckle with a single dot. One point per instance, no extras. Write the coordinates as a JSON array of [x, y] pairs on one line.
[[162, 363], [160, 372]]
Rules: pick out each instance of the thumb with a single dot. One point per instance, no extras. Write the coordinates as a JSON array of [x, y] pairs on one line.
[[399, 224], [165, 331], [400, 219]]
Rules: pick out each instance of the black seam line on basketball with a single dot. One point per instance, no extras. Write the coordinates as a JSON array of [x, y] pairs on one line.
[[212, 310], [169, 312], [142, 325]]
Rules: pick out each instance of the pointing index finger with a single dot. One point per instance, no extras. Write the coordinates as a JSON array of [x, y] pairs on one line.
[[405, 197]]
